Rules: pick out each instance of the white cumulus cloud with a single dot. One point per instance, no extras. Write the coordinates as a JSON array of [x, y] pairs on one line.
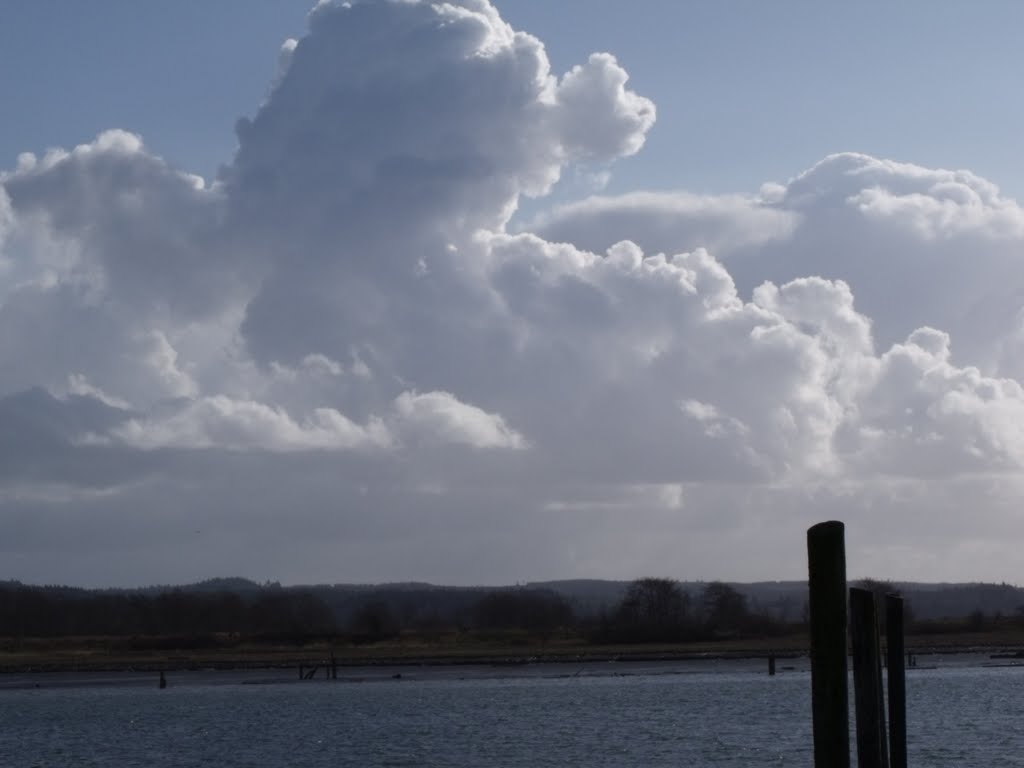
[[440, 417], [222, 422], [342, 324]]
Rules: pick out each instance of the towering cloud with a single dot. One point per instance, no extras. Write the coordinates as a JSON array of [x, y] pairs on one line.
[[340, 342]]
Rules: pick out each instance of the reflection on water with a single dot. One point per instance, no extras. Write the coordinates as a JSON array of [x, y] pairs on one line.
[[681, 714]]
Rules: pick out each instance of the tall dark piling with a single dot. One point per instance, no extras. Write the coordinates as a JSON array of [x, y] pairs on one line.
[[163, 680], [771, 665], [897, 682], [826, 565], [868, 697]]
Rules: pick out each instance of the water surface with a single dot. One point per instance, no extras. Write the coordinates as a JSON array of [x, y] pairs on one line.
[[961, 714]]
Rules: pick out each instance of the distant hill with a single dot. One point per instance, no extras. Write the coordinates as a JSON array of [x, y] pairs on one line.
[[419, 602]]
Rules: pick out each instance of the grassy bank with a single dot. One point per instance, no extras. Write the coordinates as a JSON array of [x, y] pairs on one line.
[[234, 652]]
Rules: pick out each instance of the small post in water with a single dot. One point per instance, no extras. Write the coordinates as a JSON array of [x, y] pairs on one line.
[[826, 565], [771, 665], [897, 682]]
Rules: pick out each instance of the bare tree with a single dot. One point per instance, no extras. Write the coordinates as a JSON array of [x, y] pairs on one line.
[[724, 608], [653, 609]]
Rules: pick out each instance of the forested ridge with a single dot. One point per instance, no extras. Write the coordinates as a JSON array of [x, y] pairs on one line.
[[645, 610]]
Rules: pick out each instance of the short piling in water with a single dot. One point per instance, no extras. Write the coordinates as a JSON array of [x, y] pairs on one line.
[[771, 665], [869, 698], [897, 682], [826, 561], [163, 681]]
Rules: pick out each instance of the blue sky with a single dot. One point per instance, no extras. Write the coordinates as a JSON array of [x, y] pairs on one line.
[[438, 313], [747, 92]]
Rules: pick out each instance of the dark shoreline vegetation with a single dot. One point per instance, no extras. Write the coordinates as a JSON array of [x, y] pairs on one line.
[[237, 624]]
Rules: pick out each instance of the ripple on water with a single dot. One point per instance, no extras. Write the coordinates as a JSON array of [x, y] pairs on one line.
[[966, 717]]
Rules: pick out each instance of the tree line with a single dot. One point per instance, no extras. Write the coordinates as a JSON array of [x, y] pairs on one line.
[[275, 613], [648, 610], [660, 610], [57, 612]]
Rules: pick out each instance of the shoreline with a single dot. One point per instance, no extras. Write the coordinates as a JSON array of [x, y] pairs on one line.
[[91, 657], [410, 672], [502, 660]]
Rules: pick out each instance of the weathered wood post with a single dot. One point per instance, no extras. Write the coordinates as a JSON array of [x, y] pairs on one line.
[[897, 682], [771, 665], [826, 565], [883, 734], [868, 697]]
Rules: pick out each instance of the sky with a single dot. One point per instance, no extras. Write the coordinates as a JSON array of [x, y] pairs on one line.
[[476, 293]]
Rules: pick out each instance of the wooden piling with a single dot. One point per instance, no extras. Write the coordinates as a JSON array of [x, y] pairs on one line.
[[883, 734], [867, 681], [826, 565], [897, 682], [771, 665]]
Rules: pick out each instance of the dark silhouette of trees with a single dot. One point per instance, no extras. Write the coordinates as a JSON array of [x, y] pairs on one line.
[[975, 621], [660, 610], [652, 610], [536, 611], [656, 602], [59, 611], [645, 610], [724, 610], [373, 622]]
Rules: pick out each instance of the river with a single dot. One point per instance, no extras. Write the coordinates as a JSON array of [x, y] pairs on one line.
[[963, 712]]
